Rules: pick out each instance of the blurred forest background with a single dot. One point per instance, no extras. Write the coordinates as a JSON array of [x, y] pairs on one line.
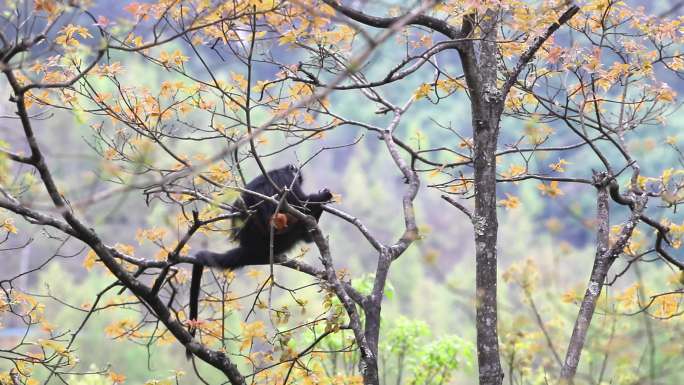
[[544, 243]]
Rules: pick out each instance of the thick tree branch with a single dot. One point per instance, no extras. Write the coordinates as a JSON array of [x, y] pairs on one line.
[[662, 230], [604, 258], [36, 217], [359, 225], [528, 55], [15, 157], [435, 24], [368, 358]]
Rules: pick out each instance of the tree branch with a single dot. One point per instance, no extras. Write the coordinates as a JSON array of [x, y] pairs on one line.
[[528, 55], [435, 24]]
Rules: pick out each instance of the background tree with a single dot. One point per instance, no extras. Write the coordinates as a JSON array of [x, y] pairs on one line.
[[181, 102]]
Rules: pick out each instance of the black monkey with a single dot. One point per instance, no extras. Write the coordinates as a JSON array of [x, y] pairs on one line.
[[255, 234]]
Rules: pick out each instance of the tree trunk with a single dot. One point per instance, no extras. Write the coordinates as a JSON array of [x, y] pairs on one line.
[[602, 262], [372, 331], [487, 106]]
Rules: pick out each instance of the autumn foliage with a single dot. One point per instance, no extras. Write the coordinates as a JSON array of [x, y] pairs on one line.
[[558, 114]]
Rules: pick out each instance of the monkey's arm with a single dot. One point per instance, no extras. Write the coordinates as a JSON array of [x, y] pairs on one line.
[[320, 197], [315, 201]]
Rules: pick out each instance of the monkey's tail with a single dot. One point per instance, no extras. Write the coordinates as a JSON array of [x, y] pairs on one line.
[[195, 284]]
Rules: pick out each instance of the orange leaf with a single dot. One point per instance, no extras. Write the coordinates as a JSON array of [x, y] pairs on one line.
[[279, 221]]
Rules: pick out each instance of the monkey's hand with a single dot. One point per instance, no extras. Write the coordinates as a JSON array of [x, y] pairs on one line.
[[322, 196], [325, 195]]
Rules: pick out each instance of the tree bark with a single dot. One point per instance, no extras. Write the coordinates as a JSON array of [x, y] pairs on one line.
[[486, 226]]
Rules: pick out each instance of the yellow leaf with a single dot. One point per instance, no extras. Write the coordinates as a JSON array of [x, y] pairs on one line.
[[538, 133], [552, 190], [8, 225], [449, 85], [466, 143], [67, 35], [515, 170], [125, 249], [289, 37], [219, 174], [47, 327], [178, 58], [117, 378], [511, 202], [524, 273], [254, 274], [155, 234], [667, 174], [119, 328], [90, 260], [58, 347], [570, 296], [422, 91], [629, 298], [666, 305], [137, 41], [251, 331], [666, 94], [559, 166], [677, 64], [262, 5], [49, 6]]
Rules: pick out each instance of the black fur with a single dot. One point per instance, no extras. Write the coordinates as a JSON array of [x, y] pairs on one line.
[[254, 236]]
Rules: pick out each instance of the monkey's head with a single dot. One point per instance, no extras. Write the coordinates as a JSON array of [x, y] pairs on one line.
[[294, 171]]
